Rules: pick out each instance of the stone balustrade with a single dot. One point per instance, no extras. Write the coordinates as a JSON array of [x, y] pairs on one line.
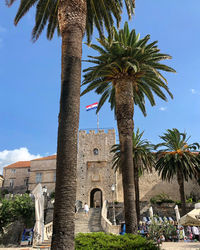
[[48, 230], [105, 223]]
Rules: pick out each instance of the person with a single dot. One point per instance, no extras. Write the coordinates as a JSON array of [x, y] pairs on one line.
[[181, 233], [123, 228], [162, 238], [86, 208], [195, 231]]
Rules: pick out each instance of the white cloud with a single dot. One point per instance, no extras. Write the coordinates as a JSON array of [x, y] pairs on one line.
[[193, 91], [163, 108], [10, 156]]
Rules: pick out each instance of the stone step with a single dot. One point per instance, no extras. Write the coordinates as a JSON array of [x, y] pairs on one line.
[[88, 223]]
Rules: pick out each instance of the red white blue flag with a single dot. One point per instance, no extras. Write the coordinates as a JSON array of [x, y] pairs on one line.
[[92, 106]]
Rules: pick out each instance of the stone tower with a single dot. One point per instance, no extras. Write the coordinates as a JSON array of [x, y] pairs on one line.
[[95, 175]]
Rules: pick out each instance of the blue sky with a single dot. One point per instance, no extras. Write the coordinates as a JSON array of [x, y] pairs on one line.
[[30, 80]]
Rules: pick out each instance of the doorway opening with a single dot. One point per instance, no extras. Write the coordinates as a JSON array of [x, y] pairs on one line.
[[96, 198]]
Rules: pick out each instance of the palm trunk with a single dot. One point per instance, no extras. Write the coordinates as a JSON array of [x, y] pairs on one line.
[[124, 114], [137, 192], [72, 18], [180, 180]]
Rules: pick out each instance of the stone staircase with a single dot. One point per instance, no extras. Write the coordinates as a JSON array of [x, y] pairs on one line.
[[83, 224], [88, 223]]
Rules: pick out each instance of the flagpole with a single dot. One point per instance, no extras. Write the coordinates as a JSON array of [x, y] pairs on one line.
[[98, 121]]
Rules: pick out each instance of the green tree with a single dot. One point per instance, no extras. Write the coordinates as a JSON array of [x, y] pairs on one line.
[[143, 159], [15, 209], [23, 209], [177, 158], [5, 214], [71, 19], [126, 70]]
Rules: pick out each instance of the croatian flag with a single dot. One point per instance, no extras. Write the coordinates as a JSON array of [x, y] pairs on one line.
[[92, 106]]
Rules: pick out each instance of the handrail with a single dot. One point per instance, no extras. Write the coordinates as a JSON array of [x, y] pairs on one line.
[[105, 223], [48, 230]]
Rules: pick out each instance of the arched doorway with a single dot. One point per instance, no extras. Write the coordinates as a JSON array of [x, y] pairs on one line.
[[96, 198]]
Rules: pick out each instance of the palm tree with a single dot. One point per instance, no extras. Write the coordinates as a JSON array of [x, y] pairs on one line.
[[177, 158], [71, 19], [126, 70], [143, 159]]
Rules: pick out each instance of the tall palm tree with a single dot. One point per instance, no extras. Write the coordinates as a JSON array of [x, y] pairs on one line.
[[143, 159], [126, 70], [177, 158], [71, 19]]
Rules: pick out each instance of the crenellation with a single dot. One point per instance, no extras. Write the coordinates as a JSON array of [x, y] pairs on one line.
[[92, 132]]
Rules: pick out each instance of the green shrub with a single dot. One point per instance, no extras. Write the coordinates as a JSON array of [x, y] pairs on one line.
[[156, 230], [189, 200], [178, 202], [103, 241], [161, 198], [52, 195]]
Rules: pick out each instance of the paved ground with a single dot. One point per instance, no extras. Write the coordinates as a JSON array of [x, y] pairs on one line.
[[165, 246], [18, 248], [180, 246]]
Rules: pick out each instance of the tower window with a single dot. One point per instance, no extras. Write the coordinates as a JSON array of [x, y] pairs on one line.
[[96, 151]]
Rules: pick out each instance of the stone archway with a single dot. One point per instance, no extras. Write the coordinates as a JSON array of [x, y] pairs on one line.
[[96, 198]]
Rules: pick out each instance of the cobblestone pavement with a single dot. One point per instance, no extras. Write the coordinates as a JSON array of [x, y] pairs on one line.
[[180, 246]]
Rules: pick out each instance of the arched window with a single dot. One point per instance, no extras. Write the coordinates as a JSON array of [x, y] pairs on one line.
[[96, 151]]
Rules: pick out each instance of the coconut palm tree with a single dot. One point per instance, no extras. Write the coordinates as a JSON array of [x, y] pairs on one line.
[[177, 159], [126, 70], [143, 160], [71, 19]]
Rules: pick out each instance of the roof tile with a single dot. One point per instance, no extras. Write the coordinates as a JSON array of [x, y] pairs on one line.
[[19, 164], [51, 157]]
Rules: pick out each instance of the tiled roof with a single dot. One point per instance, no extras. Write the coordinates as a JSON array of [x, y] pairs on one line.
[[51, 157], [19, 164]]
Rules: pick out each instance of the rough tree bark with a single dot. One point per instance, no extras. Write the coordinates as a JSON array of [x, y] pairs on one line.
[[124, 113], [137, 191], [180, 181], [72, 20]]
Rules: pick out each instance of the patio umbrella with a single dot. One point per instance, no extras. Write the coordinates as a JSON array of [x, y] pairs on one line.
[[39, 214], [151, 212], [177, 214], [192, 218]]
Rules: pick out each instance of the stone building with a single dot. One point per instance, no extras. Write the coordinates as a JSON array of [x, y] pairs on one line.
[[43, 170], [95, 175], [16, 176]]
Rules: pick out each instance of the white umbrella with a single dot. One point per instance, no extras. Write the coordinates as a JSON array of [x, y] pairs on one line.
[[177, 214], [39, 214], [151, 212], [192, 218]]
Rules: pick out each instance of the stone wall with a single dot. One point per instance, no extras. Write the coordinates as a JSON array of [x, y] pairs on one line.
[[19, 177], [151, 185], [163, 210], [47, 168]]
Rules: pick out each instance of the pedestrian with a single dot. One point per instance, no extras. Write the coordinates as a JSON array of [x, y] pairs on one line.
[[86, 208], [181, 233], [195, 231]]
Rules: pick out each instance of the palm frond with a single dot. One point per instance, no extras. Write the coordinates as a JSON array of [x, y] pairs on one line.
[[126, 56]]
